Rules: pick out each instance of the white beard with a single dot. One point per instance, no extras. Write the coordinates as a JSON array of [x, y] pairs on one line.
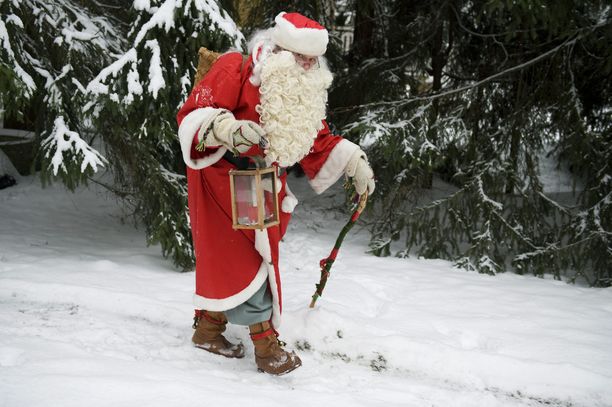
[[293, 103]]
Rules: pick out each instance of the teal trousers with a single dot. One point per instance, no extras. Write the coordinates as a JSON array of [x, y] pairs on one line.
[[256, 309]]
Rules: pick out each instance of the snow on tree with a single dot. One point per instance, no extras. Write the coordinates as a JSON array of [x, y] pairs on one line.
[[465, 93], [133, 103], [93, 74], [49, 49], [474, 95]]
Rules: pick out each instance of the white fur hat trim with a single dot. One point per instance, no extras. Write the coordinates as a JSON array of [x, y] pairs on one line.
[[297, 33]]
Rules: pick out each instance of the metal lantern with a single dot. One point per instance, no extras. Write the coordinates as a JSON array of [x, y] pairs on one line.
[[254, 198]]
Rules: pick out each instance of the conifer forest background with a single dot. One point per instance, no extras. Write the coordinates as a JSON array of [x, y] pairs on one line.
[[457, 103]]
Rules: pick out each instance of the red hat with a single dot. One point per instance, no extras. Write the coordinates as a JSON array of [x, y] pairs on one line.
[[297, 33]]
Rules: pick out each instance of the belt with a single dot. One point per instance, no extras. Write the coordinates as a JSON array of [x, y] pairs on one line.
[[244, 163], [241, 163]]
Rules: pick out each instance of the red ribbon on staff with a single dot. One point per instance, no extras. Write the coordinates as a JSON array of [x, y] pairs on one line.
[[327, 262]]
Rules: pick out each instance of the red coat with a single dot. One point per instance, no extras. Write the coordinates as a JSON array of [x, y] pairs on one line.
[[232, 264]]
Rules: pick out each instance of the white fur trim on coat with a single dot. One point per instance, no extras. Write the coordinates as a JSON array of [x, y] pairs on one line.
[[187, 131], [214, 304], [334, 166], [262, 245], [289, 201], [266, 271]]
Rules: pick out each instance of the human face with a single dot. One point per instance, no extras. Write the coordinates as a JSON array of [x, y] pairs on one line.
[[305, 61]]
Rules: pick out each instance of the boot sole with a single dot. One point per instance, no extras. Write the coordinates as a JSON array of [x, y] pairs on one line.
[[230, 356], [281, 373]]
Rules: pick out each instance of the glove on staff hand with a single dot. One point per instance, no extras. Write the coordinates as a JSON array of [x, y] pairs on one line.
[[236, 135], [360, 172]]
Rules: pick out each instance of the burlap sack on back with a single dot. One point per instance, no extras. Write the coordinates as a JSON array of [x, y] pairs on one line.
[[206, 58]]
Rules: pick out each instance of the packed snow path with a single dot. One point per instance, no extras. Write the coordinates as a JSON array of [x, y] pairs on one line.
[[90, 316]]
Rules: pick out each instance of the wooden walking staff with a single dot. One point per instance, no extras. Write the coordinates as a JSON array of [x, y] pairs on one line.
[[327, 262]]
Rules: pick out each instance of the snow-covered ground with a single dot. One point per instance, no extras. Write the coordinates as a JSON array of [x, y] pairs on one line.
[[90, 316]]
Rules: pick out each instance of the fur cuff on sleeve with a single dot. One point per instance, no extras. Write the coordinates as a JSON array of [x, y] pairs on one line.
[[189, 128], [334, 166]]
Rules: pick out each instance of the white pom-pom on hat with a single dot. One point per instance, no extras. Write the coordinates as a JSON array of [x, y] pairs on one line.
[[297, 33]]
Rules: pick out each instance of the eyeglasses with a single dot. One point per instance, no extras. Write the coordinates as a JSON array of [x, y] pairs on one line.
[[306, 59], [301, 58]]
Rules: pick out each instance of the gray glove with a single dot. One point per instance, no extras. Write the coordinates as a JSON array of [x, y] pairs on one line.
[[236, 135], [360, 172]]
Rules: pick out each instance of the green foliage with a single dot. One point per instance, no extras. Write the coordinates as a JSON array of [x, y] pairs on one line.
[[456, 102], [133, 105], [50, 48], [13, 92], [456, 113], [115, 82]]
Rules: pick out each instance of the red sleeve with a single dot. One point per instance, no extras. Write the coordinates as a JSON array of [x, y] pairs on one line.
[[323, 145], [219, 88]]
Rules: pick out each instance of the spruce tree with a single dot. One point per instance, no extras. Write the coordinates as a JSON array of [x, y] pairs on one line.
[[133, 105], [82, 73], [457, 109], [50, 49]]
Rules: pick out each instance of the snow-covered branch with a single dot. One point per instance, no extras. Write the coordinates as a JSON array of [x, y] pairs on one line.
[[5, 40], [96, 86], [166, 17], [156, 77], [62, 140], [177, 180], [484, 197]]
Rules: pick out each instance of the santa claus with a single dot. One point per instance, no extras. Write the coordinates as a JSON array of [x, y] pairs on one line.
[[271, 104]]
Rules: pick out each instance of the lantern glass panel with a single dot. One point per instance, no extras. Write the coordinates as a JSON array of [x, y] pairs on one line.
[[246, 199], [269, 197]]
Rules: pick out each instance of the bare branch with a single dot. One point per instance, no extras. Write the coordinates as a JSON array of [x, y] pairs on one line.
[[467, 87]]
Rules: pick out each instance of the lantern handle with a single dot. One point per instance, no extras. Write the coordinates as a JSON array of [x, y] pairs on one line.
[[260, 162]]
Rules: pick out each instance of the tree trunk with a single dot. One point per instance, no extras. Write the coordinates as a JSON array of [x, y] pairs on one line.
[[515, 140], [363, 39]]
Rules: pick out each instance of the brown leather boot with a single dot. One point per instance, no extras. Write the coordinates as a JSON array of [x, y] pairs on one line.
[[209, 326], [269, 354]]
